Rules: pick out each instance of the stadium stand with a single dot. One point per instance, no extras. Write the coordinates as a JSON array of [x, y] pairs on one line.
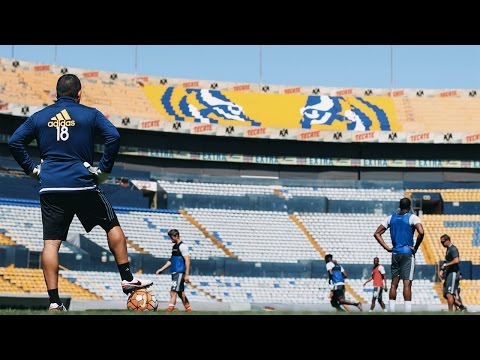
[[133, 97], [432, 113], [463, 230], [38, 86], [424, 292], [470, 291], [251, 236], [32, 281], [257, 235], [451, 195], [349, 236], [270, 254], [23, 225], [146, 230], [149, 231], [205, 188], [216, 288]]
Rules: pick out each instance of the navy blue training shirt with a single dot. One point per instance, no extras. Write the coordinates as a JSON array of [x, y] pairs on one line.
[[65, 133]]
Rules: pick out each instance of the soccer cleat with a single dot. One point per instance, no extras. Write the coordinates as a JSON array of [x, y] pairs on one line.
[[359, 306], [170, 308], [129, 286], [56, 307], [188, 308]]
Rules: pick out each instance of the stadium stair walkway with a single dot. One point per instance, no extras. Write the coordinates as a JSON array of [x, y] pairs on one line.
[[305, 232], [206, 293], [426, 245], [427, 251], [6, 240], [438, 286], [9, 288], [204, 231], [137, 247], [317, 247], [32, 281], [354, 294]]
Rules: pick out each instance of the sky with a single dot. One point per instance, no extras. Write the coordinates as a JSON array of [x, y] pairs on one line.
[[366, 66]]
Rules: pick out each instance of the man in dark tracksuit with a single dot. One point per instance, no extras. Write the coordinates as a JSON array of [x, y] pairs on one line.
[[450, 271], [65, 133]]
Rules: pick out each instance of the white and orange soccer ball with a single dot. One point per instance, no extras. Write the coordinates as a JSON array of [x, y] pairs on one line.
[[142, 300]]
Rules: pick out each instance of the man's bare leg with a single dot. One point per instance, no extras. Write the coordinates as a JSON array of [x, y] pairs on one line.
[[50, 263], [118, 244]]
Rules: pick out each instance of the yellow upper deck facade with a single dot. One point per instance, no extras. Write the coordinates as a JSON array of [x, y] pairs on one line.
[[152, 103]]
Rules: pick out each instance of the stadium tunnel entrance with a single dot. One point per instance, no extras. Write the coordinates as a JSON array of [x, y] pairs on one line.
[[427, 202]]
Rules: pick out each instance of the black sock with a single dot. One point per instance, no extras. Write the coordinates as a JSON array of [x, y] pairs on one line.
[[54, 297], [125, 272]]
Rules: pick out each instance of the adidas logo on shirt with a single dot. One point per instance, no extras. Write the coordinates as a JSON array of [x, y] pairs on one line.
[[61, 119]]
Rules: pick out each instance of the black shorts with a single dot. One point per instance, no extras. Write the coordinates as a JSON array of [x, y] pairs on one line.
[[178, 282], [378, 292], [91, 207], [338, 291]]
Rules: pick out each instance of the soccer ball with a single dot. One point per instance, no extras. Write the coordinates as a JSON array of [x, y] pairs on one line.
[[142, 300]]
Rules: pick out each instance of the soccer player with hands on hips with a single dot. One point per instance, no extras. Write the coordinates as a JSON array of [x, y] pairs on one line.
[[69, 184], [402, 224]]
